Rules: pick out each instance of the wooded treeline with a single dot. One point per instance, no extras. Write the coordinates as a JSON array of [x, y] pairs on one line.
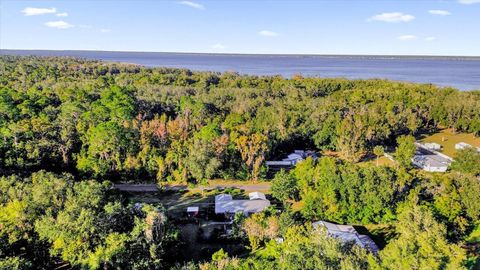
[[118, 121]]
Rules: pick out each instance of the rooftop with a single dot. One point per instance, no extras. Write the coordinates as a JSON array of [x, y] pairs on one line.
[[256, 196], [430, 160], [223, 197], [347, 233], [193, 209], [257, 202], [293, 158], [245, 206]]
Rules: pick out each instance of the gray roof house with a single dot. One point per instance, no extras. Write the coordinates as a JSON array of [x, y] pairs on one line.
[[347, 233], [430, 160], [224, 204], [293, 158]]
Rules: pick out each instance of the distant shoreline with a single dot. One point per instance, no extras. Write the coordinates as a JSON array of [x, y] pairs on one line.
[[459, 72], [353, 56]]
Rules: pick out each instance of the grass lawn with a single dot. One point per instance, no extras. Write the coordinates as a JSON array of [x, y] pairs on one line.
[[447, 139], [382, 161]]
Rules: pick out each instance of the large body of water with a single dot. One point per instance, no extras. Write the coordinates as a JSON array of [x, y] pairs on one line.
[[459, 72]]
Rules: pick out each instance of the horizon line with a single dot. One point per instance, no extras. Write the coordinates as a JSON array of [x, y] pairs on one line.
[[248, 54]]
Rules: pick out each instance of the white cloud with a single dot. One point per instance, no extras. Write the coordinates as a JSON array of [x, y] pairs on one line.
[[267, 33], [31, 11], [63, 14], [105, 30], [439, 12], [392, 17], [218, 46], [407, 37], [430, 38], [468, 2], [59, 24], [192, 4]]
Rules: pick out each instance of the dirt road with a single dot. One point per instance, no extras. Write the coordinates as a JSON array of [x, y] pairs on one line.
[[137, 187]]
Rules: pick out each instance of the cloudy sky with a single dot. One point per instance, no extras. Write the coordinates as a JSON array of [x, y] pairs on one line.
[[420, 27]]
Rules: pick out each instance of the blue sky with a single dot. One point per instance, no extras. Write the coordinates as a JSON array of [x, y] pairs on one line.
[[419, 27]]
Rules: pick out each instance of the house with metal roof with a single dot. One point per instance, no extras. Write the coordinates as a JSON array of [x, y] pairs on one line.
[[347, 233], [430, 160], [225, 204], [293, 158]]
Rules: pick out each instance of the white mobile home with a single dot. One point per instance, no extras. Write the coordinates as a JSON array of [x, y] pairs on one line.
[[430, 163], [430, 160]]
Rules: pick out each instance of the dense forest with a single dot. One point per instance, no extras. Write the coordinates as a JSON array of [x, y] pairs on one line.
[[71, 128]]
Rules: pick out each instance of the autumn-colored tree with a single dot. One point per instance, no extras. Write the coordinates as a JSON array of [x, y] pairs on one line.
[[261, 227], [253, 148]]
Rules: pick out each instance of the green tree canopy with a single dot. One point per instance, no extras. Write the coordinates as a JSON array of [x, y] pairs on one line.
[[467, 160], [405, 150], [421, 243]]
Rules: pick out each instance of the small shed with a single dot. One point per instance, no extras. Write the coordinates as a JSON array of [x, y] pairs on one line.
[[433, 146], [192, 211], [256, 196], [462, 145]]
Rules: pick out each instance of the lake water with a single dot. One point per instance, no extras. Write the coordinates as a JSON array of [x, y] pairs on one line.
[[459, 72]]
